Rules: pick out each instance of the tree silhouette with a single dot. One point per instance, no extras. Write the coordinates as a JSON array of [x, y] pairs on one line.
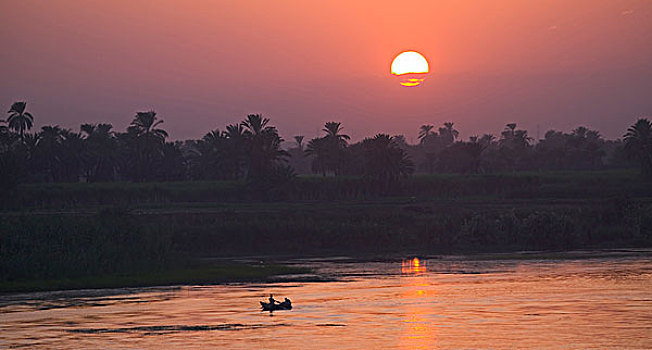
[[332, 130], [638, 145], [264, 146], [385, 161], [172, 164], [101, 157], [514, 148], [317, 150], [447, 134], [585, 149], [12, 160], [4, 130], [299, 141], [335, 144], [425, 131], [235, 151], [255, 125], [327, 152], [71, 155], [146, 142], [208, 156], [48, 152], [252, 150], [223, 154], [582, 149], [144, 125], [18, 119], [298, 160]]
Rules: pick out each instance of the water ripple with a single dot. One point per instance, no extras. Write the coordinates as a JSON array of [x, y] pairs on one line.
[[176, 328]]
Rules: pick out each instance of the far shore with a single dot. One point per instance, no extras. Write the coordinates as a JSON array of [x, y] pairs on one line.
[[69, 236], [275, 268], [205, 274]]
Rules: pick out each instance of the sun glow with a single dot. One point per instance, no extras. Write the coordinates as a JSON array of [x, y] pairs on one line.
[[413, 266], [410, 67]]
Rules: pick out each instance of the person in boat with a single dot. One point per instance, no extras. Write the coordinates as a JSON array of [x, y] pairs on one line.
[[272, 301], [287, 302]]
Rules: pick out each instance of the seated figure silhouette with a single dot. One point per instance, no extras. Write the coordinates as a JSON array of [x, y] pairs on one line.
[[275, 305]]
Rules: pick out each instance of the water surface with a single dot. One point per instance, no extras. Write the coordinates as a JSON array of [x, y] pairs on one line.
[[601, 303]]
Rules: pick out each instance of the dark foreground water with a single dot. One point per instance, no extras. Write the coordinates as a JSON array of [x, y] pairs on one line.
[[601, 303]]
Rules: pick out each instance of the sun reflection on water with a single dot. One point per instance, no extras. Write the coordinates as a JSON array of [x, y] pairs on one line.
[[418, 298], [413, 266]]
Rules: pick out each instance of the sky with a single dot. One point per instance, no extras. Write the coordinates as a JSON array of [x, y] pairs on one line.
[[200, 64]]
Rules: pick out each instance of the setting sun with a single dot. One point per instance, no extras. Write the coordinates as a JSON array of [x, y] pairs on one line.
[[410, 67]]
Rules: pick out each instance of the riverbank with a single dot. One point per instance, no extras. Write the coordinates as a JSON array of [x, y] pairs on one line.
[[198, 275], [66, 235]]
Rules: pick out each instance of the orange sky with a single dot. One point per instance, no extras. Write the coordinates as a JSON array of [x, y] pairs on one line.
[[204, 64]]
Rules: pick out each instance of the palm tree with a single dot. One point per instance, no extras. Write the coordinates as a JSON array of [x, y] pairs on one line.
[[256, 124], [384, 160], [234, 132], [317, 149], [298, 160], [235, 152], [264, 146], [101, 159], [332, 130], [206, 157], [299, 141], [487, 139], [638, 145], [510, 127], [515, 137], [146, 142], [48, 153], [172, 164], [13, 159], [584, 149], [514, 147], [330, 150], [144, 124], [447, 134], [19, 120], [425, 131], [222, 154], [475, 149], [73, 150]]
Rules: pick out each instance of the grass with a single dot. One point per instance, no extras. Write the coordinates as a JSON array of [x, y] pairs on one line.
[[527, 185], [198, 275]]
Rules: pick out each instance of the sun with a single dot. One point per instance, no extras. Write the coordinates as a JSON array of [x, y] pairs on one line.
[[410, 67]]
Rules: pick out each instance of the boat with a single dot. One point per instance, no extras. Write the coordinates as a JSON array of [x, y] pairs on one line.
[[286, 305]]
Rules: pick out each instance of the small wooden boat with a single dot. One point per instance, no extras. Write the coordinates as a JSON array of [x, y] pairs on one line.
[[286, 305]]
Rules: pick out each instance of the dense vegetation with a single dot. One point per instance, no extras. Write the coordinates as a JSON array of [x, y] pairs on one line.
[[45, 247], [75, 230], [98, 202]]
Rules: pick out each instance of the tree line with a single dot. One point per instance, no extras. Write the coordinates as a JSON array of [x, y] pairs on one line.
[[251, 150]]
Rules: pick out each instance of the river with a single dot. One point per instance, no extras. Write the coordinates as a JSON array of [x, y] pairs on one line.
[[427, 303]]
